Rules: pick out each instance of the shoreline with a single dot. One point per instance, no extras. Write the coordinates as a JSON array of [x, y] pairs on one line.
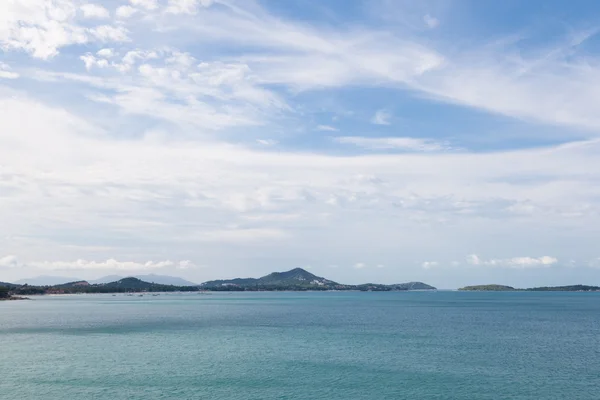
[[15, 298]]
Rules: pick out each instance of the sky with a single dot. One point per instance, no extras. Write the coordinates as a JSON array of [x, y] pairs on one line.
[[452, 142]]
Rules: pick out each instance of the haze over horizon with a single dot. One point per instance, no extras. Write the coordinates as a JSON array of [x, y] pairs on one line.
[[366, 141]]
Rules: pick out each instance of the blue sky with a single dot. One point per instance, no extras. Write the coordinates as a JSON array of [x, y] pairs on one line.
[[452, 142]]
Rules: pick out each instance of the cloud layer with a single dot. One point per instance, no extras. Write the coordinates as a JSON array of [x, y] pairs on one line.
[[83, 265]]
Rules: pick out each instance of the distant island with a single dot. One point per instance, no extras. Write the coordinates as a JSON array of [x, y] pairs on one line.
[[46, 280], [300, 279], [488, 288], [296, 279], [502, 288]]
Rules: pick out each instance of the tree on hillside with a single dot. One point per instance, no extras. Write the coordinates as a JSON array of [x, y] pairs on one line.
[[3, 292]]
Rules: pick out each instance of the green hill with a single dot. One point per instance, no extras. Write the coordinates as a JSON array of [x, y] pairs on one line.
[[138, 285], [72, 285], [295, 279], [502, 288], [412, 286], [488, 288], [571, 288], [124, 285], [300, 279]]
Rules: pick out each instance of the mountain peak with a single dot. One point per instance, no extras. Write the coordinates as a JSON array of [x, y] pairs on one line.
[[297, 274]]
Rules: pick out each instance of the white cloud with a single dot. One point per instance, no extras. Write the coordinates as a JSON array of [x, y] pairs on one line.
[[213, 96], [39, 27], [9, 262], [267, 142], [180, 59], [6, 73], [362, 265], [147, 4], [429, 264], [474, 259], [186, 6], [531, 87], [90, 61], [304, 57], [124, 12], [496, 78], [106, 53], [140, 189], [94, 11], [133, 56], [327, 128], [430, 22], [241, 235], [595, 263], [82, 265], [515, 262], [109, 33], [381, 117], [397, 143]]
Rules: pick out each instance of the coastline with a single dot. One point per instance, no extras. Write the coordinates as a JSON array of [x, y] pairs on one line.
[[14, 298]]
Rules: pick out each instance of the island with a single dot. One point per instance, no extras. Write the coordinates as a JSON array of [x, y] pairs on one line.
[[488, 288], [296, 279], [503, 288], [299, 279]]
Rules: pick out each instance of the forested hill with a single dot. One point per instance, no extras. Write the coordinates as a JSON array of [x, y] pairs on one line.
[[571, 288], [296, 279], [300, 279], [488, 288], [503, 288]]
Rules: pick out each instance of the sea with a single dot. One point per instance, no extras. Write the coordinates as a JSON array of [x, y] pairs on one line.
[[308, 345]]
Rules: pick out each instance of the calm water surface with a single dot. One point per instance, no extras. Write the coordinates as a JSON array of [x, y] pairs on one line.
[[418, 345]]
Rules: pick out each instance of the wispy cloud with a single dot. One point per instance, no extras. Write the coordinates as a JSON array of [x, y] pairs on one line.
[[9, 262], [82, 265], [267, 142], [395, 143], [327, 128], [382, 117], [94, 11], [6, 73], [123, 12], [430, 22], [147, 4], [515, 262], [429, 264], [42, 28]]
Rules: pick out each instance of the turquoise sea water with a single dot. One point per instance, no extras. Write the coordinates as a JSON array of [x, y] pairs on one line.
[[418, 345]]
